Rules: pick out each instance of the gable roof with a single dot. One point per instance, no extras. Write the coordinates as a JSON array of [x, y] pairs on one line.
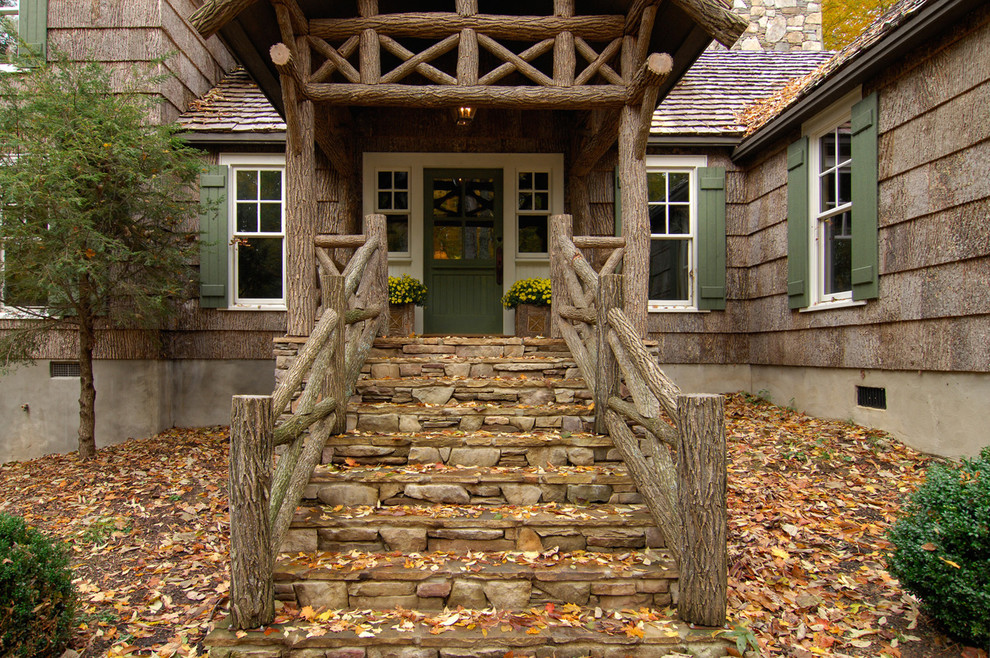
[[709, 99], [907, 26], [235, 108]]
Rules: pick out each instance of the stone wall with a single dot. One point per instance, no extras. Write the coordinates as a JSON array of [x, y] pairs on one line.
[[780, 25]]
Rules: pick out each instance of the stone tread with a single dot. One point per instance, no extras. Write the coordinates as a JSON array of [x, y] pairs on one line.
[[661, 638], [447, 517], [471, 408], [432, 474], [627, 568], [530, 361], [478, 439], [491, 383]]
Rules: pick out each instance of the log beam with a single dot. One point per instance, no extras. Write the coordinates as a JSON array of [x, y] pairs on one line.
[[399, 95], [716, 19], [214, 14], [437, 25]]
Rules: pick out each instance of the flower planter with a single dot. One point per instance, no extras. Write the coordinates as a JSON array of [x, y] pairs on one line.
[[401, 319], [532, 321]]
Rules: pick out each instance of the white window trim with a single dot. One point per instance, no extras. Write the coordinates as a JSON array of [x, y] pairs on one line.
[[826, 121], [235, 161], [535, 256], [397, 255], [682, 164]]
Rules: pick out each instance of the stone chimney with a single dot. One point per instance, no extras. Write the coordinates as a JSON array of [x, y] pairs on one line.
[[780, 25]]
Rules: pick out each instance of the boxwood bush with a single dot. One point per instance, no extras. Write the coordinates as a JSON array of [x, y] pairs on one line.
[[37, 600], [941, 548]]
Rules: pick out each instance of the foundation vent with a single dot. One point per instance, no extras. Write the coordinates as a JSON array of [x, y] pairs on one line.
[[871, 396], [63, 369]]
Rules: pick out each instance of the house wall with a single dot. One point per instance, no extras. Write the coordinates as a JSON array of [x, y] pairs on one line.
[[926, 339], [124, 34]]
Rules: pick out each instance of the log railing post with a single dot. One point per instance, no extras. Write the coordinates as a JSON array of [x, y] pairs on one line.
[[701, 474], [338, 370], [561, 229], [252, 591], [375, 231], [607, 368]]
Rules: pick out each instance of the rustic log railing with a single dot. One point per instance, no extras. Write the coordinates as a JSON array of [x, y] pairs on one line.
[[324, 374], [687, 500]]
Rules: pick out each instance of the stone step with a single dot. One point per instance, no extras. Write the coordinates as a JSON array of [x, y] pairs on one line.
[[467, 346], [426, 484], [386, 418], [441, 390], [504, 580], [514, 449], [574, 632], [448, 365], [461, 528]]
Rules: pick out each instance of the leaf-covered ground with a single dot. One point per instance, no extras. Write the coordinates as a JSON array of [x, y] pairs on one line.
[[810, 501]]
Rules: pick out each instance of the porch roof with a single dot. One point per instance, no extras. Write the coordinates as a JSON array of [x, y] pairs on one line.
[[682, 29]]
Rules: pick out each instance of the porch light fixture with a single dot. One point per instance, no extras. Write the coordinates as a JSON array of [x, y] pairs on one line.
[[465, 115]]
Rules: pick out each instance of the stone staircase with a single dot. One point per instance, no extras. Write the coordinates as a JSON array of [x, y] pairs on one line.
[[469, 481]]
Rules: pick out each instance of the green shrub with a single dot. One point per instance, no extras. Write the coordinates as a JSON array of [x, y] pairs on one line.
[[941, 548], [528, 291], [37, 600], [406, 290]]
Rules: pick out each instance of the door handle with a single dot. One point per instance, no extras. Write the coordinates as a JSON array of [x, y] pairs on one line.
[[499, 262]]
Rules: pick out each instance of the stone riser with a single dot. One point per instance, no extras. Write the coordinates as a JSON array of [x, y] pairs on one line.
[[468, 347], [448, 591], [555, 369], [390, 418]]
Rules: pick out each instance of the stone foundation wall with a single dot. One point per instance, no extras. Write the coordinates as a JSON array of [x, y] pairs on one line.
[[780, 25]]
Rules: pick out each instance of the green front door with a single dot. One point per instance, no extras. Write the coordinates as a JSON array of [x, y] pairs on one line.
[[463, 239]]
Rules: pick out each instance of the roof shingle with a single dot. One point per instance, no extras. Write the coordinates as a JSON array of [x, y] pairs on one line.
[[235, 105]]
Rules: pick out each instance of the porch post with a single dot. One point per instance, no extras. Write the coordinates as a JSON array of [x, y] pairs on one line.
[[635, 214], [301, 206]]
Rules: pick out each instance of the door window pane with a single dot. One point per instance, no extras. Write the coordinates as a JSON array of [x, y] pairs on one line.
[[448, 240]]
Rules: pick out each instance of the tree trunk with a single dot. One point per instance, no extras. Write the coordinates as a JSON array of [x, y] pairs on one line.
[[87, 388]]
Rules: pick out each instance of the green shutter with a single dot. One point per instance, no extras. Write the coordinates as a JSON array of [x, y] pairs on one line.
[[32, 26], [864, 196], [213, 237], [797, 224], [711, 238]]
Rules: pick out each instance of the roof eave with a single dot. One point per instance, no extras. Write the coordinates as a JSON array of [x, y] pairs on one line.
[[228, 139], [917, 30], [694, 140]]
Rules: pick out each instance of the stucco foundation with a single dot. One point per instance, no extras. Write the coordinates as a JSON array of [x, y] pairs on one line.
[[39, 414]]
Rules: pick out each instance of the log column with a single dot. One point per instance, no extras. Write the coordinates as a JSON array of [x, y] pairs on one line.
[[561, 228], [607, 368], [635, 214], [370, 49], [301, 205], [252, 590], [564, 59], [701, 489], [467, 54]]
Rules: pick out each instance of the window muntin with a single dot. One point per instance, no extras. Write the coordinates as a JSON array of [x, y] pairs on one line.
[[258, 235], [672, 237], [533, 213], [831, 214], [392, 200]]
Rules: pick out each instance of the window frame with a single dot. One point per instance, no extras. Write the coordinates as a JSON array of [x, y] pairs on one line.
[[407, 212], [248, 162], [689, 165], [828, 121], [520, 213]]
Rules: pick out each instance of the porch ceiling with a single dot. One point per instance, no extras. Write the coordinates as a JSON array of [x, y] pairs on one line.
[[444, 54]]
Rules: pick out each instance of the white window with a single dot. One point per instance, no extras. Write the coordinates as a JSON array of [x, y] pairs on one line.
[[673, 207], [256, 205], [830, 202], [533, 213], [9, 11], [392, 200]]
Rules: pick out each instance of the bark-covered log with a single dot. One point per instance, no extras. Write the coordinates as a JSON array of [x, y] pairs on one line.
[[438, 25], [341, 53], [586, 315], [335, 300], [330, 241], [524, 67], [701, 475], [660, 385], [418, 61], [252, 590], [579, 351], [598, 62], [598, 242], [659, 429], [657, 484], [299, 422], [561, 228], [716, 19], [613, 262], [564, 58], [531, 97], [506, 68], [646, 402], [599, 136], [214, 14], [635, 219], [607, 368], [297, 372], [311, 454]]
